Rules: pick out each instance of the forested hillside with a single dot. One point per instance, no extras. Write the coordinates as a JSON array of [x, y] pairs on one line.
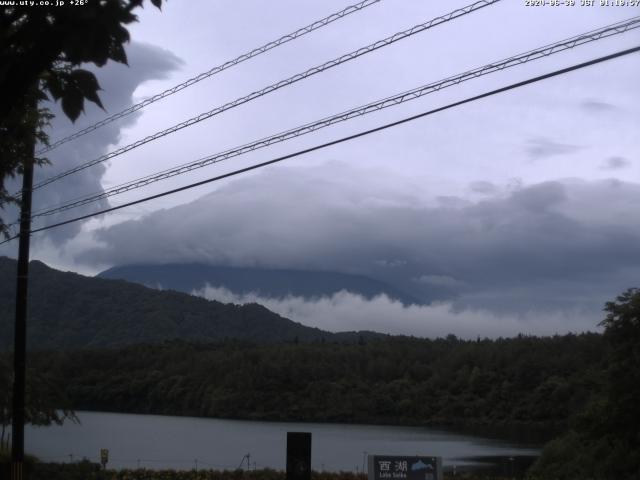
[[520, 381], [67, 310]]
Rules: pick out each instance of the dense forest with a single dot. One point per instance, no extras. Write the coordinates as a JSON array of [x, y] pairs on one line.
[[520, 381]]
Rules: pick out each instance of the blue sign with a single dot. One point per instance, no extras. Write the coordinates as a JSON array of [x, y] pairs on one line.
[[394, 467]]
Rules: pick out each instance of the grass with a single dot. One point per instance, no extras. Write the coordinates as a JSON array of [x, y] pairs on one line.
[[85, 470]]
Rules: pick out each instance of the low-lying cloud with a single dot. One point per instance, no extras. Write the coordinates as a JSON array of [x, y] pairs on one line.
[[345, 311]]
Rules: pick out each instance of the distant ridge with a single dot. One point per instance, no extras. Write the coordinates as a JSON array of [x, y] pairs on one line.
[[269, 283], [67, 310]]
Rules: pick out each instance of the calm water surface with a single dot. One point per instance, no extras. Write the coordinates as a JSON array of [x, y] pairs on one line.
[[156, 442]]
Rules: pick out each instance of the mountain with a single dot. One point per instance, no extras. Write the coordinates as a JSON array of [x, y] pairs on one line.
[[70, 310], [270, 283]]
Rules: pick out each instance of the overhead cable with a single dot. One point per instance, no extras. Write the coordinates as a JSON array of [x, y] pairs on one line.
[[519, 59], [276, 86], [342, 140], [213, 71]]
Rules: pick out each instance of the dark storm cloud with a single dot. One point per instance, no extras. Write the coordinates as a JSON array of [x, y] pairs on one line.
[[118, 83], [483, 187], [540, 198], [549, 246], [615, 163], [538, 148]]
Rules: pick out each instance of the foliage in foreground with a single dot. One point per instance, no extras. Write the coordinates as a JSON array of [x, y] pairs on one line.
[[604, 439], [45, 397], [91, 471]]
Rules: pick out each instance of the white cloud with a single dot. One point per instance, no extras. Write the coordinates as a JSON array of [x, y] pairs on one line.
[[345, 311]]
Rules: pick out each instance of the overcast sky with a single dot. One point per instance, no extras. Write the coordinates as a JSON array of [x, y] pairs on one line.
[[520, 210]]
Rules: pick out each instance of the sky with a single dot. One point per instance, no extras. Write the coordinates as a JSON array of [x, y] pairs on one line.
[[513, 214]]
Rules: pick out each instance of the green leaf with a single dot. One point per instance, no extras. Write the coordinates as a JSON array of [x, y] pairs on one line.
[[42, 95], [100, 48], [55, 84], [93, 97], [85, 80], [87, 83], [118, 54], [157, 3], [73, 104], [120, 35]]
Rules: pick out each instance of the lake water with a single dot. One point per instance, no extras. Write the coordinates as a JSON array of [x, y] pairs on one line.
[[157, 442]]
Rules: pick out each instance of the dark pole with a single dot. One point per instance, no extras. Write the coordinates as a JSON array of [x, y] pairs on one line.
[[20, 339]]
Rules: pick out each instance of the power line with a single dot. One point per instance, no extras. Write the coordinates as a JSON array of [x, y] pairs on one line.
[[519, 59], [557, 47], [276, 86], [213, 71], [343, 139]]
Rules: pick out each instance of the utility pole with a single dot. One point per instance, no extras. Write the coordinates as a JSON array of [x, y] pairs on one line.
[[20, 334]]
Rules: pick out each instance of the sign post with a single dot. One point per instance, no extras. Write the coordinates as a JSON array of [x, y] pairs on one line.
[[298, 456], [104, 457], [396, 467]]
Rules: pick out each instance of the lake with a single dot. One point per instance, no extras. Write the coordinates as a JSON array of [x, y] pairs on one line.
[[156, 442]]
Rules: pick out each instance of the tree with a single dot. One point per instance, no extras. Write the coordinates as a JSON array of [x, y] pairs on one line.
[[41, 51], [622, 333], [46, 400], [42, 48], [604, 441]]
